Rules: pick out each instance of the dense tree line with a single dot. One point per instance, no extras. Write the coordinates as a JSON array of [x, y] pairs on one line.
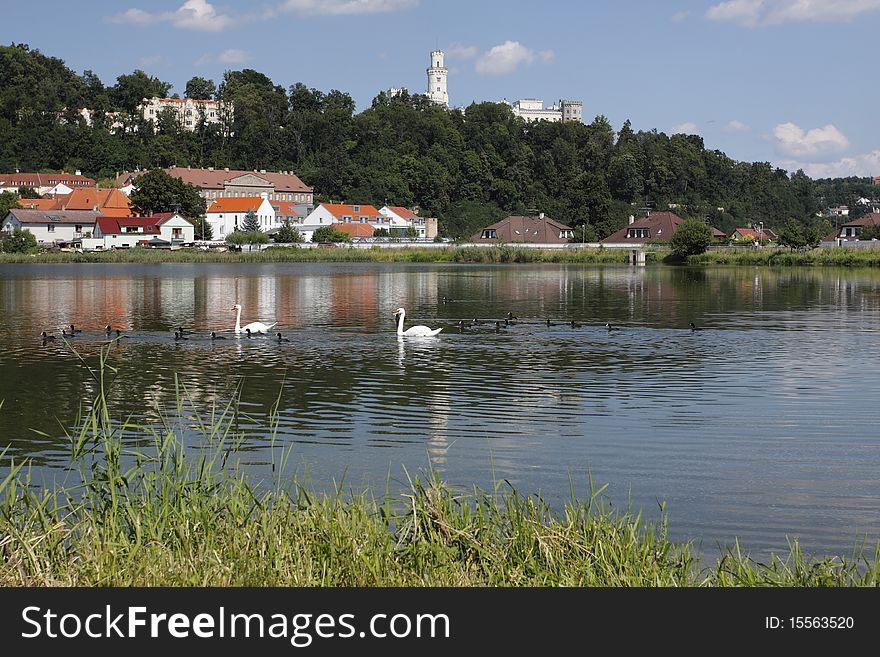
[[468, 167]]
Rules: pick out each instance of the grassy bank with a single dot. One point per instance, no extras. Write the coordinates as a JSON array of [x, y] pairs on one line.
[[494, 254], [832, 257], [160, 514]]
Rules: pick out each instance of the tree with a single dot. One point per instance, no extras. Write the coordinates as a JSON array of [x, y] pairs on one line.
[[18, 241], [692, 238], [793, 236], [381, 232], [203, 229], [156, 191], [251, 224], [130, 90], [239, 237], [330, 234], [288, 234], [199, 88], [8, 201], [28, 192]]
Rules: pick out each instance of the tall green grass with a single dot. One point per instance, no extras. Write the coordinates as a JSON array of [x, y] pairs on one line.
[[830, 257], [150, 506]]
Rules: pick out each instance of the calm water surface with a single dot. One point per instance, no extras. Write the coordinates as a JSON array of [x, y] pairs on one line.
[[762, 426]]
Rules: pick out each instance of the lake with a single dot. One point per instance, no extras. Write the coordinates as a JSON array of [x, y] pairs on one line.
[[761, 426]]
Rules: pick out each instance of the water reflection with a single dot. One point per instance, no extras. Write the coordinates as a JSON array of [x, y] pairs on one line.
[[758, 426]]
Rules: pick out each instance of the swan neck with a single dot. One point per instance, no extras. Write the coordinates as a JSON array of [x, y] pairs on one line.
[[400, 323], [238, 320]]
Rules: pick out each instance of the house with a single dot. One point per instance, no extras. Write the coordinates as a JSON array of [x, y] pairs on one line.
[[51, 226], [170, 228], [751, 235], [294, 211], [227, 215], [535, 229], [656, 227], [233, 183], [355, 231], [187, 111], [405, 218], [849, 232], [43, 183]]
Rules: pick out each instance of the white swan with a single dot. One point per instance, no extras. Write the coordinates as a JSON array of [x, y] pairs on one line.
[[255, 327], [415, 331]]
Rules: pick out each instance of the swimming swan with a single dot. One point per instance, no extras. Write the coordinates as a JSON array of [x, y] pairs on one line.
[[255, 327], [413, 331]]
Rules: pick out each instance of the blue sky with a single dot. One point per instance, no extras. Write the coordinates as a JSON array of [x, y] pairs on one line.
[[785, 81]]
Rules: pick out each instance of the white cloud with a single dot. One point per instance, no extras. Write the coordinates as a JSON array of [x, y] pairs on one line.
[[680, 16], [345, 7], [736, 126], [508, 56], [686, 128], [866, 164], [751, 13], [149, 61], [792, 141], [461, 51], [192, 15], [234, 56]]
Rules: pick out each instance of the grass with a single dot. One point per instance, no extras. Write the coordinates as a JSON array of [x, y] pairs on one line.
[[492, 254], [148, 511], [830, 257]]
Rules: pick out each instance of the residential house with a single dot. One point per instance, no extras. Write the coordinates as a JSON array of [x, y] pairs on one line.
[[327, 214], [51, 226], [233, 183], [850, 231], [167, 229], [405, 218], [656, 227], [43, 183], [539, 229], [752, 235], [355, 231], [227, 215], [187, 111]]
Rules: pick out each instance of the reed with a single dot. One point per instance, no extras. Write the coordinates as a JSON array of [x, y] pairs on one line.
[[830, 257], [170, 505]]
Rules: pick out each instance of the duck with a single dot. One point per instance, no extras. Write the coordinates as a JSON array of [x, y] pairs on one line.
[[498, 328], [65, 334], [108, 330], [74, 331], [413, 331], [574, 324], [511, 316], [549, 323], [281, 338], [214, 336], [476, 322], [46, 336], [178, 336], [445, 300], [611, 327], [694, 327], [184, 331]]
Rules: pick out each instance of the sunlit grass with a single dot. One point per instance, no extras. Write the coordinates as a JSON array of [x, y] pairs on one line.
[[829, 257], [163, 509]]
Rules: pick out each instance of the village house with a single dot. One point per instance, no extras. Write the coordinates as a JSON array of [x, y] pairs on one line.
[[44, 183], [656, 227], [163, 230], [338, 214], [226, 215], [533, 229], [752, 235], [233, 183], [850, 231], [187, 111], [405, 218], [51, 227]]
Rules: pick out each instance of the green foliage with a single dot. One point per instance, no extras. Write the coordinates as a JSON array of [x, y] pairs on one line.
[[28, 192], [330, 234], [251, 223], [156, 191], [18, 241], [203, 230], [692, 238], [288, 234], [130, 90], [871, 232], [239, 237], [199, 88], [381, 232], [798, 237], [8, 201]]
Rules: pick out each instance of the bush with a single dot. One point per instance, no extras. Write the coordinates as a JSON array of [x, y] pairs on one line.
[[18, 241], [239, 237], [330, 234], [288, 234], [693, 237]]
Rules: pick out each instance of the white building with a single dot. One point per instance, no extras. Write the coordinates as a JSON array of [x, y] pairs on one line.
[[227, 215], [187, 111], [403, 218], [532, 109], [51, 226], [437, 76], [167, 229]]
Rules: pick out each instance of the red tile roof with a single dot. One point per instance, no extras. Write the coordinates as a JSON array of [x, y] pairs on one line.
[[404, 213], [525, 229], [355, 230], [217, 178], [237, 204], [43, 180], [340, 211], [117, 225]]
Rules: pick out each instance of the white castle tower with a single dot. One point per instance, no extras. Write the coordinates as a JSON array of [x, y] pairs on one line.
[[437, 74]]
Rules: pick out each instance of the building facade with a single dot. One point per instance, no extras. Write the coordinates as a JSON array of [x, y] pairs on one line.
[[52, 226], [226, 215], [166, 229], [532, 109], [539, 229], [187, 111], [43, 183], [437, 79]]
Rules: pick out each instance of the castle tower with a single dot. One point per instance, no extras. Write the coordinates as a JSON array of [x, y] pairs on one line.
[[437, 75]]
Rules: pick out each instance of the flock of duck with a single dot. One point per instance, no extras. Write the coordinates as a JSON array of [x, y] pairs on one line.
[[260, 328]]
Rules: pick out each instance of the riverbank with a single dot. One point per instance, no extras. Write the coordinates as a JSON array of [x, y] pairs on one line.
[[492, 254], [161, 514], [827, 257]]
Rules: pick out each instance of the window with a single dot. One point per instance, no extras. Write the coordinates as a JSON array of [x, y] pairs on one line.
[[356, 208], [50, 228], [131, 229], [77, 229], [489, 234], [177, 233]]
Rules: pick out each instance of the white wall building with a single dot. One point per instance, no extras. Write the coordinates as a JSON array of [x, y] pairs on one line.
[[437, 77], [532, 109], [403, 218], [227, 215], [187, 110], [51, 226]]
